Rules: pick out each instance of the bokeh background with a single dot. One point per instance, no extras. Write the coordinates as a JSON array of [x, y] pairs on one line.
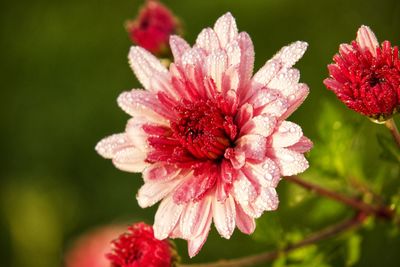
[[62, 66]]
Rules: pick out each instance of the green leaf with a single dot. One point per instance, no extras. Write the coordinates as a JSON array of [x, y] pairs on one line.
[[353, 249]]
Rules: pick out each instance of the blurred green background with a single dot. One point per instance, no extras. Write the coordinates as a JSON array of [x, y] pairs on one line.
[[63, 64]]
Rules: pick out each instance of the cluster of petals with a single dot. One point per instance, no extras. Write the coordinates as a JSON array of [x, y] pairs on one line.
[[366, 76], [153, 27], [138, 247], [210, 138]]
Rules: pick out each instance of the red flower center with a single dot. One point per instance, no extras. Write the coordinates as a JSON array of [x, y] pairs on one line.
[[203, 129]]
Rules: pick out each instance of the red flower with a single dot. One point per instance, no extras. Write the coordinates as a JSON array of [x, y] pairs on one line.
[[153, 27], [366, 76], [138, 247]]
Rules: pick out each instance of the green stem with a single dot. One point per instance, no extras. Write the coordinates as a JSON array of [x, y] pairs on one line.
[[381, 211], [391, 125], [323, 234]]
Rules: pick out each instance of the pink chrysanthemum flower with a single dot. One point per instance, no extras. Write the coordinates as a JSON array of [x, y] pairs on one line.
[[138, 247], [153, 27], [211, 140], [366, 76]]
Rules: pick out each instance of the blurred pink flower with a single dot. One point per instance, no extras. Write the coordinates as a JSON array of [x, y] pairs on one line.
[[211, 140], [153, 27], [366, 77], [138, 247], [90, 249]]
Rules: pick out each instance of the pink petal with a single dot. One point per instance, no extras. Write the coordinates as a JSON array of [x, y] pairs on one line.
[[194, 218], [110, 145], [195, 244], [216, 65], [244, 114], [367, 39], [244, 222], [195, 187], [289, 55], [262, 125], [152, 192], [287, 134], [143, 103], [130, 159], [193, 56], [134, 130], [178, 46], [224, 214], [277, 108], [234, 53], [302, 146], [266, 173], [264, 75], [160, 172], [243, 190], [296, 99], [253, 145], [285, 81], [267, 200], [145, 65], [208, 40], [226, 29], [167, 215], [246, 58], [290, 162]]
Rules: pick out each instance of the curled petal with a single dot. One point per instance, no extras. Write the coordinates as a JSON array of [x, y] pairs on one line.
[[302, 146]]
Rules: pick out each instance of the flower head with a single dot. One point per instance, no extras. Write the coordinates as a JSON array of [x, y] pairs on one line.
[[91, 248], [211, 140], [153, 27], [138, 247], [366, 76]]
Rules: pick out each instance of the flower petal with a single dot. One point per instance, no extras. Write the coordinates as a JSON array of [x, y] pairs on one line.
[[195, 187], [178, 46], [262, 125], [208, 40], [110, 145], [226, 29], [194, 218], [265, 173], [289, 55], [224, 214], [143, 103], [367, 39], [195, 244], [287, 134], [130, 159], [302, 146], [216, 65], [166, 217], [244, 222], [152, 192], [145, 65], [290, 162]]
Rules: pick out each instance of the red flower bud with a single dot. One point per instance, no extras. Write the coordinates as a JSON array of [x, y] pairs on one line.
[[138, 247], [153, 27], [366, 76]]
